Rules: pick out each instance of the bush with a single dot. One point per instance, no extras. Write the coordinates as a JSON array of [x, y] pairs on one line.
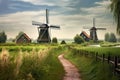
[[118, 39], [110, 37], [107, 37], [54, 40], [3, 37], [78, 39], [63, 42]]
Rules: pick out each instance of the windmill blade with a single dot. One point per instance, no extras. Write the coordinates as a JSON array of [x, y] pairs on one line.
[[54, 26], [47, 14], [101, 28], [37, 23], [93, 22]]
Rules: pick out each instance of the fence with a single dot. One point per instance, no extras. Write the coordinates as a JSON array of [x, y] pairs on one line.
[[111, 59]]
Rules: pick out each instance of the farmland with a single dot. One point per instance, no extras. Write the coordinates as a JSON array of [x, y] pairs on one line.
[[40, 62]]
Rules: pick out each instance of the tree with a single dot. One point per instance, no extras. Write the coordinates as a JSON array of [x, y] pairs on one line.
[[19, 34], [107, 36], [3, 37], [78, 39], [118, 39], [115, 9], [63, 42], [54, 40], [112, 38]]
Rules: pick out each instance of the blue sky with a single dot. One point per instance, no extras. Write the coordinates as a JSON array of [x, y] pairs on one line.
[[71, 15]]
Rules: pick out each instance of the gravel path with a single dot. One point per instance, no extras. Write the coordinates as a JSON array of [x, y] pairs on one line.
[[71, 71]]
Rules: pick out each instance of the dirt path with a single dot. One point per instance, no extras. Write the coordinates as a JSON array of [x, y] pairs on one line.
[[70, 69]]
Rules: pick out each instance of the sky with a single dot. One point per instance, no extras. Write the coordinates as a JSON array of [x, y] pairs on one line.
[[73, 16]]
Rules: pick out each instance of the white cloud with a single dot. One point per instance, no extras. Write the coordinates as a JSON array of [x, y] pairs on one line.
[[100, 9], [48, 2]]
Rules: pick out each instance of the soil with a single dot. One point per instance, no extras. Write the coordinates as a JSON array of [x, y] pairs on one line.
[[70, 69]]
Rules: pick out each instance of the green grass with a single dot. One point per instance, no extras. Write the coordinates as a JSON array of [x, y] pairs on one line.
[[101, 50], [90, 69], [38, 62], [109, 44]]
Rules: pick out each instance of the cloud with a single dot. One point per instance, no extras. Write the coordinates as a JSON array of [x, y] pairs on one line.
[[100, 9], [60, 6], [65, 15], [52, 2], [22, 21]]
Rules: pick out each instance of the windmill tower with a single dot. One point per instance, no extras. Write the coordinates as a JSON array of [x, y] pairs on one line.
[[43, 30], [93, 31]]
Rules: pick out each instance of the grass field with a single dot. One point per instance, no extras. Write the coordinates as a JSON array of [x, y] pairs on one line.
[[40, 62], [89, 68], [30, 62], [101, 50]]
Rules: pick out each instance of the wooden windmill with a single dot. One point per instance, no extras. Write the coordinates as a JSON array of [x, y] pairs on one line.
[[43, 30], [93, 31]]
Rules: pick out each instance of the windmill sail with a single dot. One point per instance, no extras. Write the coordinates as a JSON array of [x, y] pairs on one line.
[[36, 23], [47, 19], [54, 26]]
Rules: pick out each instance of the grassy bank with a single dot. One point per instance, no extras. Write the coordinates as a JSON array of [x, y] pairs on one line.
[[34, 64], [109, 44], [89, 68], [101, 50]]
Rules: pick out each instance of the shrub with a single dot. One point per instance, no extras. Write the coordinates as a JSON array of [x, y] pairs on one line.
[[3, 37], [78, 39], [63, 42], [112, 38], [107, 37], [54, 40]]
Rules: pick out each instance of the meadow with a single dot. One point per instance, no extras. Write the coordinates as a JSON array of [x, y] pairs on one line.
[[40, 61], [30, 62], [100, 50]]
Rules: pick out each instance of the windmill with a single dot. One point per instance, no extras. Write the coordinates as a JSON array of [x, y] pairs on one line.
[[43, 30], [93, 31]]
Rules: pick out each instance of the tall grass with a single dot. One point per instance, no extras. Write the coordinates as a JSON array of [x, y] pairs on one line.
[[36, 64], [6, 66]]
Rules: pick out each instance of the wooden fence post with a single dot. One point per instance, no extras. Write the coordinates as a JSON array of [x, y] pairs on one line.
[[103, 57], [115, 64], [96, 56], [108, 58], [115, 61]]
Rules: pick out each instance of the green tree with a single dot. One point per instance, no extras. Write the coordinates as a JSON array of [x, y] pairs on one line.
[[115, 9], [78, 39], [107, 36], [118, 39], [63, 42], [3, 37], [54, 40], [20, 33], [112, 38]]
